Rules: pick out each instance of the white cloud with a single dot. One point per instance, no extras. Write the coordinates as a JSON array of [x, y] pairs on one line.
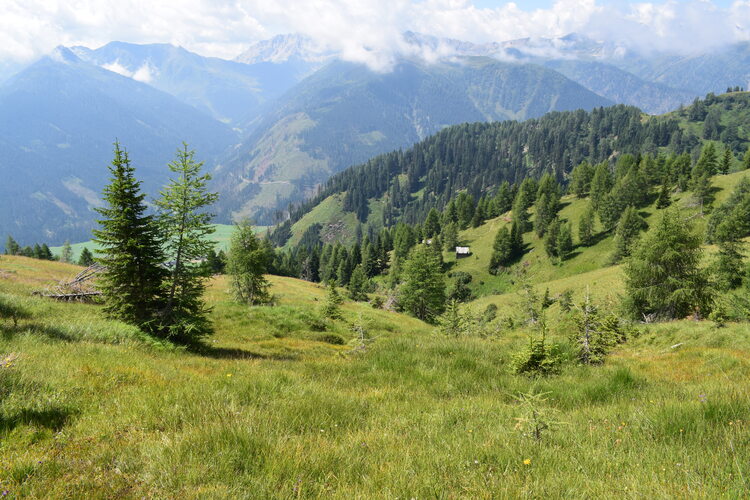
[[361, 30], [144, 74], [118, 68]]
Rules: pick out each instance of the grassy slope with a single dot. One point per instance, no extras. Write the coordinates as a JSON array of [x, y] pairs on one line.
[[337, 225], [89, 408], [539, 268]]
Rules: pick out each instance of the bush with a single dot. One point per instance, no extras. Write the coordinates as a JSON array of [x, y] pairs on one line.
[[537, 359]]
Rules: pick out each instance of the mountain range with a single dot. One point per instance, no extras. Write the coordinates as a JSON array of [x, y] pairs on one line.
[[276, 122]]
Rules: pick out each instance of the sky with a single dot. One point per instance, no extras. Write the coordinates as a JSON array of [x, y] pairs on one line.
[[362, 30]]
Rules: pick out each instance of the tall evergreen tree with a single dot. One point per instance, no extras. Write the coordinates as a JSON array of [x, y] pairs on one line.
[[580, 179], [726, 161], [86, 258], [358, 284], [601, 183], [626, 235], [564, 241], [502, 251], [66, 255], [130, 249], [423, 290], [663, 277], [664, 199], [247, 262], [586, 226], [12, 247], [185, 225]]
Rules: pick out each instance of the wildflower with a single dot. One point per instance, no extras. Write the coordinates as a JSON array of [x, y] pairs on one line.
[[702, 398], [527, 461], [229, 374]]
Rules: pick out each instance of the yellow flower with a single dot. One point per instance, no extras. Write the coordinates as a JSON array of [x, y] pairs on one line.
[[527, 461], [229, 374]]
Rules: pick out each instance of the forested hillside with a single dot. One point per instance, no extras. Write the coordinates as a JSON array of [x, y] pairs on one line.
[[346, 113], [477, 158]]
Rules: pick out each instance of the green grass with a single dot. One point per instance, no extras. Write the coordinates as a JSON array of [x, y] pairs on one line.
[[537, 267], [274, 409]]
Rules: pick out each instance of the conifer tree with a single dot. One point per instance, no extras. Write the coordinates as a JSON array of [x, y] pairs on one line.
[[185, 225], [45, 253], [663, 277], [432, 224], [580, 179], [502, 251], [601, 184], [358, 284], [66, 255], [12, 247], [664, 199], [707, 163], [86, 258], [332, 306], [726, 161], [423, 290], [450, 236], [130, 249], [586, 226], [247, 262], [564, 241], [503, 200], [550, 241], [626, 235]]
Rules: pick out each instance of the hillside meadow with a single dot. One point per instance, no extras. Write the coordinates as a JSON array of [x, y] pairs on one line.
[[280, 403]]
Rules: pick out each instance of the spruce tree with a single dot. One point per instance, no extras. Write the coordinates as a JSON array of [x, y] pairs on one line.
[[130, 249], [332, 306], [550, 241], [86, 258], [626, 235], [12, 247], [564, 241], [66, 255], [586, 226], [664, 199], [601, 184], [358, 284], [726, 161], [450, 237], [502, 251], [580, 179], [422, 293], [432, 224], [663, 277], [185, 225], [247, 262]]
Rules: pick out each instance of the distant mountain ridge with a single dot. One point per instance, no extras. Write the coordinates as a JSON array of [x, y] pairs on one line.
[[231, 92], [346, 113], [58, 120]]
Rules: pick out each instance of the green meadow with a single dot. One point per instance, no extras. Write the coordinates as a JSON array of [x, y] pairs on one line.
[[281, 403]]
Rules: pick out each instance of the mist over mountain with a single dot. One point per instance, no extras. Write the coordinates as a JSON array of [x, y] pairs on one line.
[[288, 112], [346, 113], [58, 120], [231, 92]]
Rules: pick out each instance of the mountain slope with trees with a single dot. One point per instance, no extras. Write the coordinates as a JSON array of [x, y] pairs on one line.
[[346, 113]]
